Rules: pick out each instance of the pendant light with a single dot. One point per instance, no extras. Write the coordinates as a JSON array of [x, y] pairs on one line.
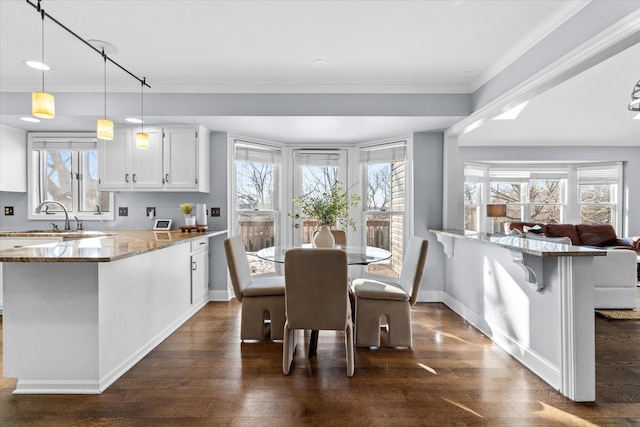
[[105, 127], [142, 139], [43, 103]]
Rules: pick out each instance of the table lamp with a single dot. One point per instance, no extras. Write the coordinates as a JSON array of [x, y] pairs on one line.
[[495, 211]]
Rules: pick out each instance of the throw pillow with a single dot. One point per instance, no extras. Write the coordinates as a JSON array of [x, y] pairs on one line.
[[596, 234]]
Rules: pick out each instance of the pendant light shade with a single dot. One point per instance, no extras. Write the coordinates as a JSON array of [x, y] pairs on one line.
[[105, 129], [43, 105], [142, 140], [105, 126]]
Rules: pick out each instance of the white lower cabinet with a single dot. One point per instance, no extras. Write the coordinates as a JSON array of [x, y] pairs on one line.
[[199, 270], [177, 160]]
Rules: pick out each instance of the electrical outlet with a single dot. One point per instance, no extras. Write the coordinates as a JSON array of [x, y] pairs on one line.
[[8, 210], [215, 211], [123, 211], [151, 212]]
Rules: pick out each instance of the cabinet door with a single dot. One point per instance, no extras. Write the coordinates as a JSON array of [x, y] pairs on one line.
[[180, 151], [199, 276], [114, 162], [146, 164]]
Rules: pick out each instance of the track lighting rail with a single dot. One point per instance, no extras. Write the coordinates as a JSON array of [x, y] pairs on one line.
[[40, 10]]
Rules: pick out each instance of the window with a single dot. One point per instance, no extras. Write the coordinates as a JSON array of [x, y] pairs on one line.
[[598, 193], [65, 170], [257, 169], [474, 177], [545, 193], [384, 185]]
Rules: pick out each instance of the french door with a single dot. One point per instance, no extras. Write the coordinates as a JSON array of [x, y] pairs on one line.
[[314, 172]]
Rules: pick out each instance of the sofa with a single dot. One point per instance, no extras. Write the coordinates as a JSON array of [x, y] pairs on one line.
[[615, 276]]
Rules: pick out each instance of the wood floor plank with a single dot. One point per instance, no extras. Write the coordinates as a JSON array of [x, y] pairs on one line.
[[455, 376]]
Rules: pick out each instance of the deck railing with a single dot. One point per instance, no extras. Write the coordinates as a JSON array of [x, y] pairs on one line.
[[260, 234]]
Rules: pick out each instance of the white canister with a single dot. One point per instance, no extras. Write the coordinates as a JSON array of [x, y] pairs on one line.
[[201, 214]]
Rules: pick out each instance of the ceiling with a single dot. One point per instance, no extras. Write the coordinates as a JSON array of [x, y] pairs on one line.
[[266, 46]]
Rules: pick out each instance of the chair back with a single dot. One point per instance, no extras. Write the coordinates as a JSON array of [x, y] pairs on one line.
[[413, 267], [238, 264], [316, 289], [339, 237]]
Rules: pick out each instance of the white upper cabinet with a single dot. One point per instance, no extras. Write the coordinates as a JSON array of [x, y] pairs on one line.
[[177, 160], [13, 160]]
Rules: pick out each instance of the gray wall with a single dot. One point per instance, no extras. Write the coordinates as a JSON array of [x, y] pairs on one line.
[[427, 207], [629, 155]]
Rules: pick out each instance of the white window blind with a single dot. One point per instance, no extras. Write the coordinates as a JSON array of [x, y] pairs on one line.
[[603, 174], [250, 152], [317, 158], [395, 152]]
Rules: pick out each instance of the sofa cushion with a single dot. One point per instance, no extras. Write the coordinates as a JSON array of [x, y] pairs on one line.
[[596, 234], [520, 226], [564, 230]]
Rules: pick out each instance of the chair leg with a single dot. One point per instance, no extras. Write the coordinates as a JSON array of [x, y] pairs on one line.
[[367, 323], [288, 348], [348, 344], [399, 325]]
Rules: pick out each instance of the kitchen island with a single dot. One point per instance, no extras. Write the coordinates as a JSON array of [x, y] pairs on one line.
[[79, 313]]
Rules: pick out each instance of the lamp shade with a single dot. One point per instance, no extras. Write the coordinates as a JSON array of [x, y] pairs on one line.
[[105, 129], [497, 210], [142, 140], [43, 105]]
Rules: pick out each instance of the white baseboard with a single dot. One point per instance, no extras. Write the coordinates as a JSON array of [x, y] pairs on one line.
[[219, 295], [539, 365]]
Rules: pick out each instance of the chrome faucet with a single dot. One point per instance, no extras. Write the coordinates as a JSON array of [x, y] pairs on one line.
[[66, 214]]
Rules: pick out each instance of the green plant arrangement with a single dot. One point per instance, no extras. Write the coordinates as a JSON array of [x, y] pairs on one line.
[[330, 208], [186, 208]]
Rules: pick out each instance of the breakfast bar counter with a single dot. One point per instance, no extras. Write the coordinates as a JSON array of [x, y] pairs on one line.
[[82, 310], [532, 298]]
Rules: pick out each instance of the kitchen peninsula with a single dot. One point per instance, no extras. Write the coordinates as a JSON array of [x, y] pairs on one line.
[[80, 312], [533, 298]]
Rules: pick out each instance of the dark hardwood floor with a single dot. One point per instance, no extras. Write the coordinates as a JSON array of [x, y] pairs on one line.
[[204, 375]]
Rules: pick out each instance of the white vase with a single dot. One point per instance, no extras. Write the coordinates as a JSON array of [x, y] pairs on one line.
[[323, 238], [189, 220]]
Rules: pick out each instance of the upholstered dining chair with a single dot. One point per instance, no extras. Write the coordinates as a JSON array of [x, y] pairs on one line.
[[261, 297], [316, 298], [339, 236], [376, 300]]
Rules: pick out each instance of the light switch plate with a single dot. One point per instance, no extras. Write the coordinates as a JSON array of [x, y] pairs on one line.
[[8, 210], [123, 211], [215, 211], [151, 212]]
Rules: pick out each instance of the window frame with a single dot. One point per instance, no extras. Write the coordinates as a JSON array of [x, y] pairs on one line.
[[76, 143]]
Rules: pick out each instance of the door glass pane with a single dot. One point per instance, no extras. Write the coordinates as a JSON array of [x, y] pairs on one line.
[[90, 197], [385, 227], [258, 232], [57, 178]]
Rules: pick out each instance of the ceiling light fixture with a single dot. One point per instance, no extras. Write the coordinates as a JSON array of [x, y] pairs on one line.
[[37, 65], [105, 127], [30, 119], [133, 120], [634, 105], [513, 113], [142, 139], [43, 104]]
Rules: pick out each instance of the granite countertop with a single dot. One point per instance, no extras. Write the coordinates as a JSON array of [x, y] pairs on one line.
[[519, 243], [92, 246]]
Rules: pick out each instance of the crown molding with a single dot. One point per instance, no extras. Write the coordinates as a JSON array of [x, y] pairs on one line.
[[622, 34], [533, 38]]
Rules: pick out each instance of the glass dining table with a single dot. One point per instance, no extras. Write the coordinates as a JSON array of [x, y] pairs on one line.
[[356, 255]]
